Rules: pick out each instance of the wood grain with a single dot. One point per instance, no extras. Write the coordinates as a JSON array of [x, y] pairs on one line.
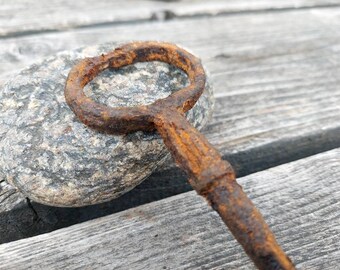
[[30, 17], [277, 97], [300, 201]]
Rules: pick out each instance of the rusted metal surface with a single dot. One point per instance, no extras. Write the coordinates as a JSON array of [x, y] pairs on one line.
[[123, 120], [210, 176]]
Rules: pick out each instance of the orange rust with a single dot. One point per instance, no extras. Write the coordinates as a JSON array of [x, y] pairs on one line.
[[210, 176]]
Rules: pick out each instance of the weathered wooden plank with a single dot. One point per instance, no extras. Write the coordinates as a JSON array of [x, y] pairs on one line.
[[276, 80], [30, 17], [263, 64], [300, 201]]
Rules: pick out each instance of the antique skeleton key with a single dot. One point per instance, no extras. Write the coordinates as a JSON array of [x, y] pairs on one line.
[[209, 175]]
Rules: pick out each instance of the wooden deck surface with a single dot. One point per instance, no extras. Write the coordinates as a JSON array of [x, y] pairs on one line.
[[275, 66], [300, 201]]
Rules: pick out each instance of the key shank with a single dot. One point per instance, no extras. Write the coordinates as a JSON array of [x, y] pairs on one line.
[[214, 179]]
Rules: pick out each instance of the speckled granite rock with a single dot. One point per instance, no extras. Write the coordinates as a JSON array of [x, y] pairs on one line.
[[54, 159]]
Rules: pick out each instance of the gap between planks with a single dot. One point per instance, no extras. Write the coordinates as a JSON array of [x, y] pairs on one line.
[[19, 18]]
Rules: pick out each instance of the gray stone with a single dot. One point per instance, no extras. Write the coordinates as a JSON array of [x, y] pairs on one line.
[[51, 157]]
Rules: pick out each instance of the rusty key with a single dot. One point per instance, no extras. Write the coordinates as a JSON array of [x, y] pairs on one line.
[[210, 175]]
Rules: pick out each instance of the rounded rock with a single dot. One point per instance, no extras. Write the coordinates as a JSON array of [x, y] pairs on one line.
[[54, 159]]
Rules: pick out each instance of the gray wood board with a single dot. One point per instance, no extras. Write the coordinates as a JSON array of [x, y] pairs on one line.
[[299, 200], [277, 98], [29, 17]]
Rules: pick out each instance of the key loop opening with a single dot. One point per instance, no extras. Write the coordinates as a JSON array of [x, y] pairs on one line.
[[121, 120]]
